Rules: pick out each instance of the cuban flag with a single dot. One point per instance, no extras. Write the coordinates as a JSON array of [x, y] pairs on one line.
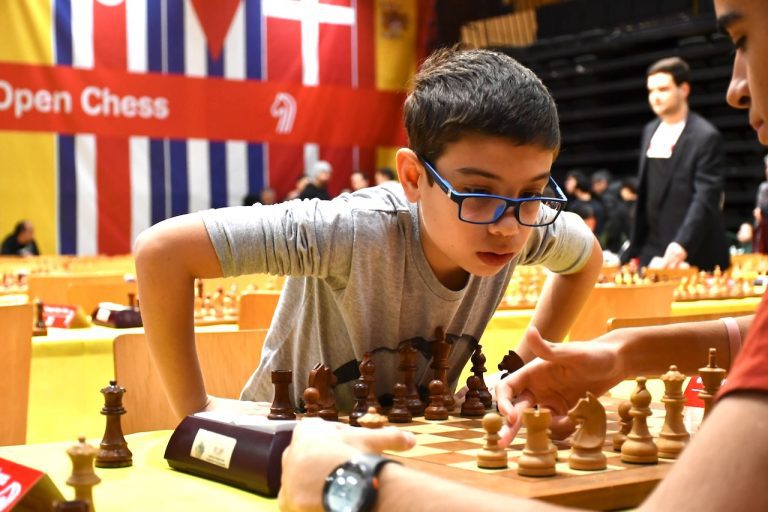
[[111, 188]]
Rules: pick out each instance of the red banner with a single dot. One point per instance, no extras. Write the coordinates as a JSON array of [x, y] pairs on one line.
[[116, 103]]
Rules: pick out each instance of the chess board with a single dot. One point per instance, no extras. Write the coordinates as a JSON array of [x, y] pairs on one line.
[[447, 449]]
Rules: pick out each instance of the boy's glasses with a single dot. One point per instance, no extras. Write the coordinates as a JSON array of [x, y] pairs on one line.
[[488, 208]]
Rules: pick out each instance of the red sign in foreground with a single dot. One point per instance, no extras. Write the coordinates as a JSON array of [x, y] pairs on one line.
[[19, 483]]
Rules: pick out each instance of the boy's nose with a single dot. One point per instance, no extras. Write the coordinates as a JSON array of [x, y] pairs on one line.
[[507, 225]]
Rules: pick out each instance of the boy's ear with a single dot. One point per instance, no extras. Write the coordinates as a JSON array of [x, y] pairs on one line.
[[409, 171]]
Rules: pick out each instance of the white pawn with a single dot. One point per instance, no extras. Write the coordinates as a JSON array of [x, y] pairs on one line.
[[492, 456]]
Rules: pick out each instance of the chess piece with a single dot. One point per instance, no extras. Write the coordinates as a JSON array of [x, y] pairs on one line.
[[372, 419], [400, 412], [510, 363], [113, 450], [311, 397], [39, 328], [360, 390], [639, 447], [712, 378], [539, 455], [281, 409], [441, 351], [322, 378], [83, 477], [436, 410], [491, 455], [478, 369], [367, 373], [587, 442], [472, 406], [407, 368], [673, 435], [625, 425]]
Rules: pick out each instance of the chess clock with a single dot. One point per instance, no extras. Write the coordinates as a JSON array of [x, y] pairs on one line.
[[353, 485]]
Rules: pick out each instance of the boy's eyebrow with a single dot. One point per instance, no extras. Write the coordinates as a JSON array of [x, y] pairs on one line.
[[728, 19], [471, 171]]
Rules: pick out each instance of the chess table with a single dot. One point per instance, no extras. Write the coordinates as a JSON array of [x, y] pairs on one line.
[[447, 449], [444, 448]]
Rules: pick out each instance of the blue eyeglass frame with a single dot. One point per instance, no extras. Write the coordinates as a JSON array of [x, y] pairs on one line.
[[459, 197]]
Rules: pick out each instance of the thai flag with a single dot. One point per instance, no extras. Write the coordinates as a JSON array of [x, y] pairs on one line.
[[111, 189]]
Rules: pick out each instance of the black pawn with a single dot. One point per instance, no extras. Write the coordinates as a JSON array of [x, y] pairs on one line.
[[400, 412], [436, 409], [360, 390], [311, 396], [472, 406]]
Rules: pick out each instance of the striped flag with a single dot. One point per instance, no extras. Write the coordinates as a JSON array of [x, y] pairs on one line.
[[108, 188]]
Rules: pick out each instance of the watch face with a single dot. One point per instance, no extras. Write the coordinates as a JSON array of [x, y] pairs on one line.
[[345, 490]]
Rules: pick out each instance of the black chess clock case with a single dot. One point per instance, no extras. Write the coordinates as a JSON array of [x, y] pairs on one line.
[[249, 457]]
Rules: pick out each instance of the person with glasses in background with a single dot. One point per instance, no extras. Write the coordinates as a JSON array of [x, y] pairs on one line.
[[390, 265]]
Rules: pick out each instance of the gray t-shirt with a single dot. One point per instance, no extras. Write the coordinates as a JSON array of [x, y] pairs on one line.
[[359, 282]]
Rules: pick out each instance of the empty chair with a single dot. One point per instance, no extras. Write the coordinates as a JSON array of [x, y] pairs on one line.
[[227, 360], [15, 357]]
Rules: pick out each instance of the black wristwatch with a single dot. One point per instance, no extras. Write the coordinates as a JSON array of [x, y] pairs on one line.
[[354, 485]]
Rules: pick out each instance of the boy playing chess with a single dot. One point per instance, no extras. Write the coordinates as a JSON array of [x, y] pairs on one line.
[[724, 466], [389, 264]]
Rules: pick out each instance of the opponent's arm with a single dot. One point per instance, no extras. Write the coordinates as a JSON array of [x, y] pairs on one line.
[[722, 467], [561, 300], [564, 372], [169, 256], [319, 446]]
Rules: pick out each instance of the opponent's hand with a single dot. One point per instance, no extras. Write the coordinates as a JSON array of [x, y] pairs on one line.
[[317, 447], [560, 375]]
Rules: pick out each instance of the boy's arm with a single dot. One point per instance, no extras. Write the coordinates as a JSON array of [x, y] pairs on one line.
[[561, 300], [169, 256]]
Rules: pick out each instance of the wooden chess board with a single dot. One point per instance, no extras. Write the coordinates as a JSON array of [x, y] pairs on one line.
[[447, 449]]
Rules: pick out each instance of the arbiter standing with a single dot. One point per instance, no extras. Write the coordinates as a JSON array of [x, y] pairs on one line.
[[679, 216]]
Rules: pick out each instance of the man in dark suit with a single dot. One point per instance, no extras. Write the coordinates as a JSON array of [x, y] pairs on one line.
[[679, 217]]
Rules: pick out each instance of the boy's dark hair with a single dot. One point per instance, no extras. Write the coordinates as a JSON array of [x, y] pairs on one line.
[[675, 66], [458, 92]]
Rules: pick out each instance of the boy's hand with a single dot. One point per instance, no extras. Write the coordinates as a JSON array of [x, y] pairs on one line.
[[317, 447], [561, 374]]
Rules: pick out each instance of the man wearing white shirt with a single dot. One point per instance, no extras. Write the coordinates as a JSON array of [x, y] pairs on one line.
[[679, 219]]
